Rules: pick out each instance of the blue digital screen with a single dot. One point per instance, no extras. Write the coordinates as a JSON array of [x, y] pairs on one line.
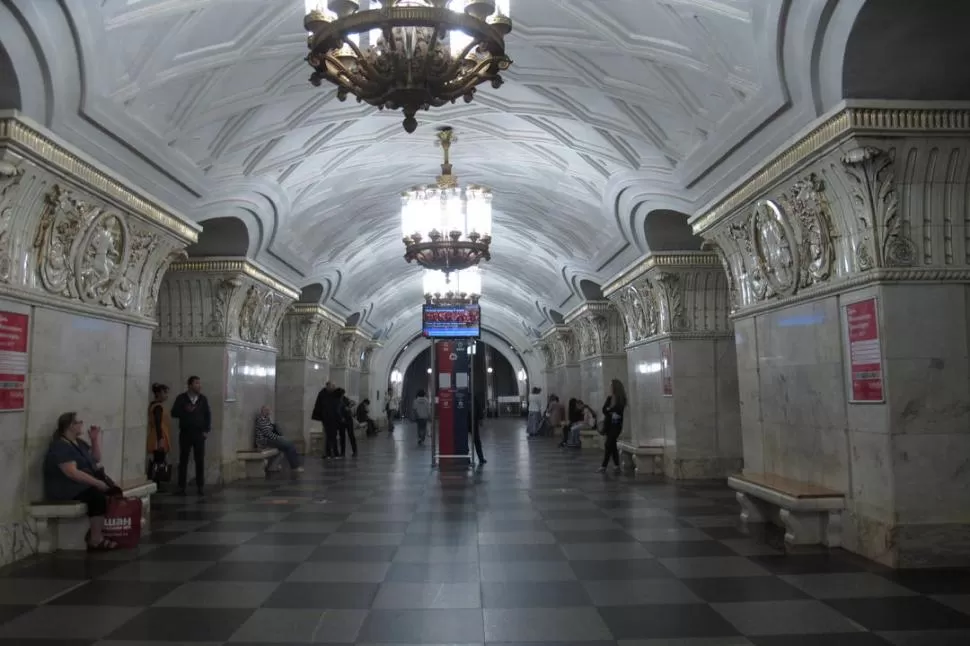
[[451, 321]]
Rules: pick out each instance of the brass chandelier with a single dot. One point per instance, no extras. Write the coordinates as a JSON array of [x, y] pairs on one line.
[[447, 228], [407, 55], [458, 288]]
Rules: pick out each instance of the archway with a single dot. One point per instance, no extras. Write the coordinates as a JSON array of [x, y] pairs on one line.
[[667, 230], [227, 236]]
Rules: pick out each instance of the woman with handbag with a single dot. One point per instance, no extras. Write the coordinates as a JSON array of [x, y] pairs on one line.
[[159, 435], [73, 471]]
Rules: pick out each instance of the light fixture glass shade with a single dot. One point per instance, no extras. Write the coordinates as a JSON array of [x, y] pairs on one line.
[[440, 284]]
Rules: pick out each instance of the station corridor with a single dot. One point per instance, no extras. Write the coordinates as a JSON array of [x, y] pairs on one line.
[[535, 547]]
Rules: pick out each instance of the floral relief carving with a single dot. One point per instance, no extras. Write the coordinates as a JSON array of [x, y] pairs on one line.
[[886, 238], [672, 307], [547, 355], [260, 315], [10, 178], [88, 253], [805, 204], [728, 273], [220, 323], [323, 340], [771, 241]]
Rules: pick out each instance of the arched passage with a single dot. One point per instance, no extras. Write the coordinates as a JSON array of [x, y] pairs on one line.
[[226, 236], [667, 230]]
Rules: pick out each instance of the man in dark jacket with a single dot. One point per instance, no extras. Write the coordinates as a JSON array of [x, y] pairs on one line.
[[328, 410], [191, 409]]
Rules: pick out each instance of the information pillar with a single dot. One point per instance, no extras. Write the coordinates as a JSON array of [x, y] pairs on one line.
[[453, 399]]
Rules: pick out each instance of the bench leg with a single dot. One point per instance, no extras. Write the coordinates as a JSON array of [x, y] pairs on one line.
[[753, 511], [45, 536], [628, 463], [253, 469], [812, 528], [146, 515]]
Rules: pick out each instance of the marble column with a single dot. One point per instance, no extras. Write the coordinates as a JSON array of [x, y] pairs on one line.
[[348, 357], [681, 362], [599, 331], [219, 319], [307, 337], [855, 241], [82, 254], [374, 391]]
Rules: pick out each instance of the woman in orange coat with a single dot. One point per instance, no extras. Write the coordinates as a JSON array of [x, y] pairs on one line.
[[159, 433]]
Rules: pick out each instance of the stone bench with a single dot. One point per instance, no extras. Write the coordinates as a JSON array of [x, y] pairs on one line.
[[646, 458], [62, 524], [809, 514], [253, 463]]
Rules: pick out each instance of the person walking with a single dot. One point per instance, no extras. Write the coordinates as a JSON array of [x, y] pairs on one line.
[[613, 410], [328, 410], [421, 410], [191, 409]]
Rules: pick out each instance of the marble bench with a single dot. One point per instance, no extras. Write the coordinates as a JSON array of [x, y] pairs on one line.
[[646, 458], [809, 514], [62, 525], [253, 463]]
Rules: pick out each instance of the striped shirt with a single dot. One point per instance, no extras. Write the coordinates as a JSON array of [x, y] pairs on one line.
[[264, 430]]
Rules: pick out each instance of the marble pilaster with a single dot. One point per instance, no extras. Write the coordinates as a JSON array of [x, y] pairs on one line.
[[681, 363], [219, 319], [599, 332], [561, 351], [81, 257], [307, 337], [869, 203], [351, 348]]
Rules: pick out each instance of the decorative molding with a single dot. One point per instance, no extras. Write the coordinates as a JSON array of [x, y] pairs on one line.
[[219, 301], [686, 296], [42, 148], [351, 342], [598, 328], [81, 253], [308, 332], [678, 259], [849, 121], [562, 346]]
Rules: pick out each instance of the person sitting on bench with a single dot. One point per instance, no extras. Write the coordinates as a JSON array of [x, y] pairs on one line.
[[363, 417], [268, 436], [587, 423]]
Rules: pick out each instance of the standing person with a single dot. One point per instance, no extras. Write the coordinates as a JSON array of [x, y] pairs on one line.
[[346, 423], [555, 414], [327, 411], [535, 412], [267, 435], [476, 427], [159, 433], [191, 409], [613, 424], [392, 408], [421, 410]]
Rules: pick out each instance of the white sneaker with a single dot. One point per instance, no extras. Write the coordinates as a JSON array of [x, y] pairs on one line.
[[299, 469]]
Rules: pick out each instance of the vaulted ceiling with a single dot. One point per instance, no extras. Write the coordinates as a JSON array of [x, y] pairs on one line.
[[613, 109]]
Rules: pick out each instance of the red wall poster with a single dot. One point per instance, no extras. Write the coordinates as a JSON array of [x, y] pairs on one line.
[[865, 352], [665, 378], [13, 360]]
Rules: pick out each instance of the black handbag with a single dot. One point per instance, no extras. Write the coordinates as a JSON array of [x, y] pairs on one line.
[[159, 471]]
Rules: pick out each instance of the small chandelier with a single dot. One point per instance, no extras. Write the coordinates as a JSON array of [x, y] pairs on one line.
[[447, 228], [408, 55], [456, 288]]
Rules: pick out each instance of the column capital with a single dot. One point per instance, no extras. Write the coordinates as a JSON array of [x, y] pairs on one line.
[[206, 300], [598, 329], [351, 344], [559, 345], [308, 331], [93, 243], [683, 295], [870, 193]]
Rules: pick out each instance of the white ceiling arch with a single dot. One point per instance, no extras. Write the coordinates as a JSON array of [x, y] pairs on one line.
[[611, 111]]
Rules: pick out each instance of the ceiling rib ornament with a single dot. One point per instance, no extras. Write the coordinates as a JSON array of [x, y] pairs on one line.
[[420, 54]]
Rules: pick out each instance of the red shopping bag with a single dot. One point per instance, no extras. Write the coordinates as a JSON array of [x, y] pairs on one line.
[[122, 522]]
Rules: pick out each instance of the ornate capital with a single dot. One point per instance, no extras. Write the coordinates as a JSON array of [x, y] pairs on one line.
[[98, 246], [209, 299], [561, 345], [307, 332], [350, 348], [598, 328], [683, 295]]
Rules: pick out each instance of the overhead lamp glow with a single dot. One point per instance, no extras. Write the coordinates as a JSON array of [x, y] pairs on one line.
[[463, 286]]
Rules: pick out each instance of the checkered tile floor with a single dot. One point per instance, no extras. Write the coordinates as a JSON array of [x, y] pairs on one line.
[[535, 547]]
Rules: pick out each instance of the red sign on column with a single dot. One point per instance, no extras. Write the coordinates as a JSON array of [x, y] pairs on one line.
[[444, 366], [13, 360], [865, 351], [665, 377]]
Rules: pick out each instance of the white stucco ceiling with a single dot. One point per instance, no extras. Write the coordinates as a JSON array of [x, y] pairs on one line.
[[613, 108]]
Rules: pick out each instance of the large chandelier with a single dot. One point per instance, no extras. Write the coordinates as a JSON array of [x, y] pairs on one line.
[[463, 286], [447, 228], [407, 55]]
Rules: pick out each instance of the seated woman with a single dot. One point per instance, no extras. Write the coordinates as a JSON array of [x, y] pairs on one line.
[[363, 417], [73, 471], [574, 415], [268, 436], [587, 423]]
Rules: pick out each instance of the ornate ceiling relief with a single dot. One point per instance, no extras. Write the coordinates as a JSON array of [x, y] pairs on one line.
[[88, 239], [227, 300]]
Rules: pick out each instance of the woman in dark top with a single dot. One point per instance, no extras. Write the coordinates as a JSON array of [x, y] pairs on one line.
[[574, 414], [613, 424], [72, 471]]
